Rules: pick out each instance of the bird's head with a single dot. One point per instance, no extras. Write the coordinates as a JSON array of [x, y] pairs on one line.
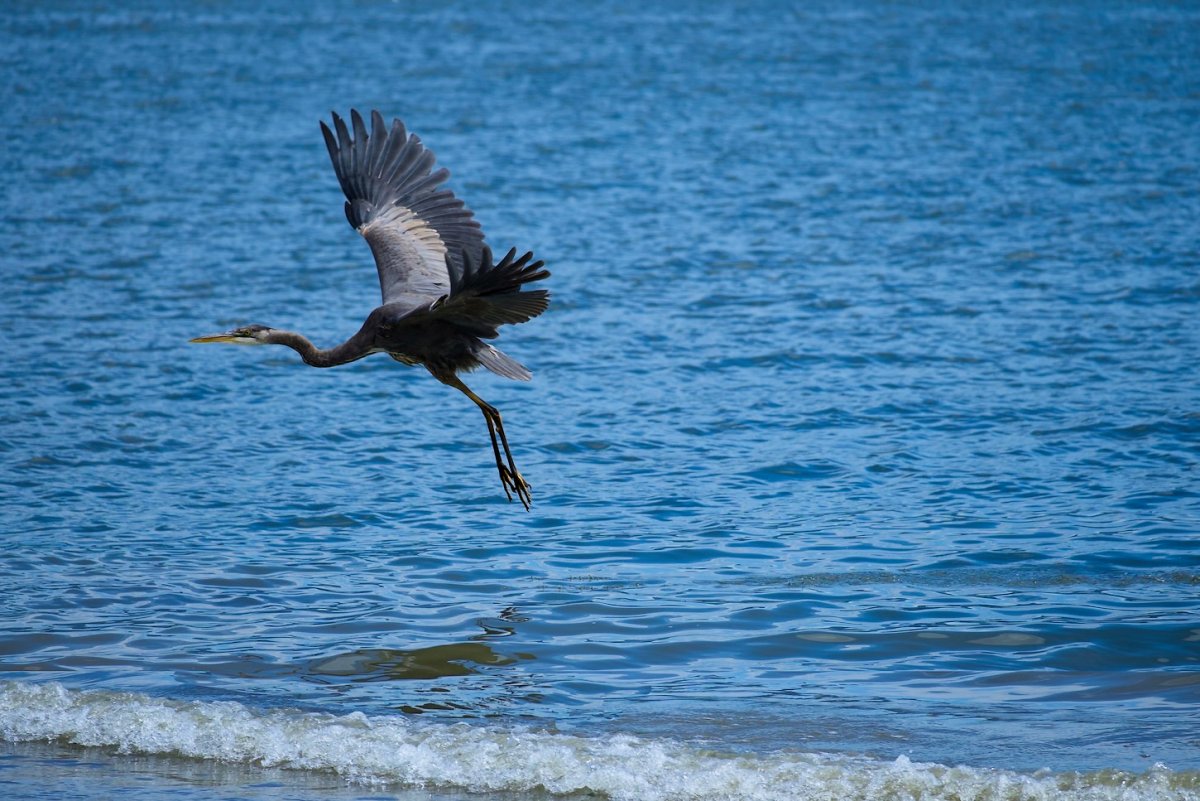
[[246, 335]]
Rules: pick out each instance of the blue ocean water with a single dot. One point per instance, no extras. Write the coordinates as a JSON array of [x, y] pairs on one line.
[[863, 435]]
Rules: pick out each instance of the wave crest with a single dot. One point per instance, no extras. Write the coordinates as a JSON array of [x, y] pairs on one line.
[[395, 750]]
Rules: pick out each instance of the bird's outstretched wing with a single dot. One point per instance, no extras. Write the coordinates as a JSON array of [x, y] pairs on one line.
[[487, 295], [418, 233]]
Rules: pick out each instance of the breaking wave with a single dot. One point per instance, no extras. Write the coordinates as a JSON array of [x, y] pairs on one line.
[[394, 750]]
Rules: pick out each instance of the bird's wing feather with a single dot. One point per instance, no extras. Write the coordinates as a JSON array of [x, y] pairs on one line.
[[483, 297], [487, 295], [418, 232]]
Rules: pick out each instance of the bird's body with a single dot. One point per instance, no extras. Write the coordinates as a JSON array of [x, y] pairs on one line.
[[443, 295]]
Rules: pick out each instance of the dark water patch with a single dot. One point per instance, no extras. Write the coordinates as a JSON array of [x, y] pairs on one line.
[[797, 472], [434, 662]]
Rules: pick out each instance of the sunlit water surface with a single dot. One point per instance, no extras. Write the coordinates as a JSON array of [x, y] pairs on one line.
[[864, 429]]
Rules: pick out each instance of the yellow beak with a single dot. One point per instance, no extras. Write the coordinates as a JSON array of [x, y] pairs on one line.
[[234, 338]]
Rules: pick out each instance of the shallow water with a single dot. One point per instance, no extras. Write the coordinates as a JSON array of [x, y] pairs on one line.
[[864, 429]]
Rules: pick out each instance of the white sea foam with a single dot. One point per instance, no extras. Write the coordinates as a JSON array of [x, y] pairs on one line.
[[394, 750]]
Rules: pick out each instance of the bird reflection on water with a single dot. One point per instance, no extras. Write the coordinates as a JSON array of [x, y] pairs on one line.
[[390, 664], [443, 294]]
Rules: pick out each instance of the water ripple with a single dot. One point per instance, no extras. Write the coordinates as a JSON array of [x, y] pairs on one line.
[[864, 419]]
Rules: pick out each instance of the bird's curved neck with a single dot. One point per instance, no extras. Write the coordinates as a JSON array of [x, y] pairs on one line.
[[350, 350]]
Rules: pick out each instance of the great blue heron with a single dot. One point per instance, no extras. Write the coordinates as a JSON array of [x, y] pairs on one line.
[[442, 293]]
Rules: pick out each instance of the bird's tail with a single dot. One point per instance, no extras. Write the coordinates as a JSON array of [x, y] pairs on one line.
[[501, 363]]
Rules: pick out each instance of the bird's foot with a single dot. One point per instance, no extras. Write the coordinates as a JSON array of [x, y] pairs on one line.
[[514, 482]]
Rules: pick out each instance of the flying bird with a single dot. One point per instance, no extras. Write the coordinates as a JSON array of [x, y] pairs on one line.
[[443, 294]]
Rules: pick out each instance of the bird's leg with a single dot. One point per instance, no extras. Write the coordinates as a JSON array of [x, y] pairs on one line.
[[496, 452], [510, 476], [508, 455]]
